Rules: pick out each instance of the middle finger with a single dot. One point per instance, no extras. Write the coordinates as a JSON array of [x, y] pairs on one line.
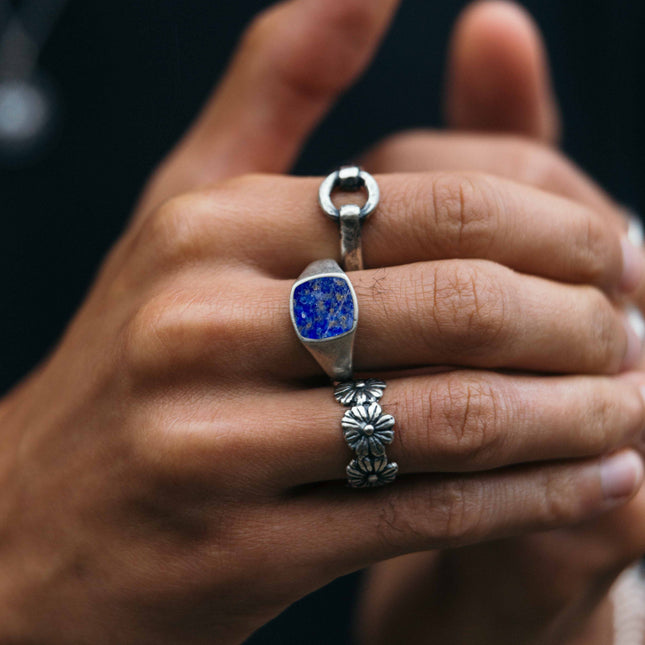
[[466, 312], [457, 312]]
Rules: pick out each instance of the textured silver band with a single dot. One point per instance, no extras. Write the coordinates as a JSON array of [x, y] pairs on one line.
[[349, 216], [367, 430]]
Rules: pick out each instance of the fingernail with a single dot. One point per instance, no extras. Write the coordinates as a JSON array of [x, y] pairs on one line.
[[621, 475], [633, 266], [635, 330], [636, 320], [634, 228]]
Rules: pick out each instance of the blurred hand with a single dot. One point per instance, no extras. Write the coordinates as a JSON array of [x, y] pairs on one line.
[[542, 588]]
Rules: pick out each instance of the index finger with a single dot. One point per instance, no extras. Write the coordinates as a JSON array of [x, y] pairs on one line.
[[275, 223]]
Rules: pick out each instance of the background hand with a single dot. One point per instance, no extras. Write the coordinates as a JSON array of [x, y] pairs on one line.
[[545, 587]]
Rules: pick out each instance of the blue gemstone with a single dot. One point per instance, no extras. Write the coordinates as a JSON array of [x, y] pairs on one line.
[[323, 308]]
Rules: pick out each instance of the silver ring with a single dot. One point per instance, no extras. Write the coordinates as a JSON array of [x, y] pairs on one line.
[[367, 430], [349, 178], [324, 313], [349, 216]]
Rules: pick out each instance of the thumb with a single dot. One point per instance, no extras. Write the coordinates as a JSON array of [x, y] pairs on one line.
[[292, 63], [498, 78]]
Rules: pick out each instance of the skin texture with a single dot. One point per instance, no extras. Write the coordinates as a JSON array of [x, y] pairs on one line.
[[554, 585], [174, 471]]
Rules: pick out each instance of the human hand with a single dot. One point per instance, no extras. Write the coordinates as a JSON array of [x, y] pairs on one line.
[[543, 587], [174, 471]]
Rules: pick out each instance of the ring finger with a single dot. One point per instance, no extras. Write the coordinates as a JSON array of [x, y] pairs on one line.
[[463, 421]]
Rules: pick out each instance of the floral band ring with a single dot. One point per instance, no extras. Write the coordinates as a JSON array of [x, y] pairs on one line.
[[367, 431]]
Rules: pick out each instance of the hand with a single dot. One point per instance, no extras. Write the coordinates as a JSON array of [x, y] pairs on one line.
[[544, 587], [174, 471]]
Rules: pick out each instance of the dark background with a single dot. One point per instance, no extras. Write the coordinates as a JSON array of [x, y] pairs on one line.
[[132, 73]]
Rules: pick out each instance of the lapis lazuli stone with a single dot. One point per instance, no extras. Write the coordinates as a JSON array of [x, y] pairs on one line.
[[323, 308]]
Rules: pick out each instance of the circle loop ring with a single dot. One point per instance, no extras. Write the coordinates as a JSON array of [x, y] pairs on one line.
[[350, 217], [350, 179]]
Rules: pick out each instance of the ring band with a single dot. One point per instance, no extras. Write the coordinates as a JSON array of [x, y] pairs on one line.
[[349, 216], [367, 431]]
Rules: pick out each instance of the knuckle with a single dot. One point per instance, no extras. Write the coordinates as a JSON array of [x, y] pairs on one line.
[[199, 224], [184, 329], [556, 508], [468, 305], [460, 511], [397, 523], [590, 257], [604, 351], [466, 212], [597, 420], [173, 449], [624, 418], [174, 233], [153, 334], [448, 514], [467, 421], [627, 414], [605, 416], [564, 495]]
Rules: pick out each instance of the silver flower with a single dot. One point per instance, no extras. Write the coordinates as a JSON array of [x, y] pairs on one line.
[[359, 392], [366, 472], [366, 429]]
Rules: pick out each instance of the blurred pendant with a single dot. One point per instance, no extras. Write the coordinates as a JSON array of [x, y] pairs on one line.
[[28, 115]]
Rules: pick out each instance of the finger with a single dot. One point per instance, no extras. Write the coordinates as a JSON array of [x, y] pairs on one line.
[[638, 298], [418, 513], [292, 63], [455, 312], [480, 314], [460, 421], [498, 77], [521, 160], [420, 217], [622, 533]]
